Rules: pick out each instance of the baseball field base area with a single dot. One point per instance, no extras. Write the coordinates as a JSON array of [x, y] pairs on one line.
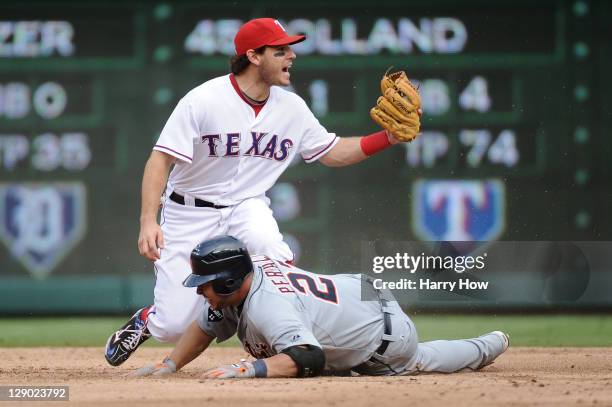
[[553, 360]]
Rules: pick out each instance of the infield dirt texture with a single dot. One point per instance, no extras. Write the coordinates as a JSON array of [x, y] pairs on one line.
[[523, 376]]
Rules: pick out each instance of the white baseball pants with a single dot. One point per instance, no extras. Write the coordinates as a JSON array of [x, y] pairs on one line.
[[175, 306]]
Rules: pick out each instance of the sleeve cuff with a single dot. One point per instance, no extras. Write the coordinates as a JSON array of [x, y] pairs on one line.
[[173, 153], [322, 152], [207, 331]]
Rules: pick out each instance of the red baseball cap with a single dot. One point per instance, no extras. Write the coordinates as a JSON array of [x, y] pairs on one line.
[[263, 31]]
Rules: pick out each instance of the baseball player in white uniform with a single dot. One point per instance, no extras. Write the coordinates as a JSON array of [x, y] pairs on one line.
[[229, 140], [299, 324]]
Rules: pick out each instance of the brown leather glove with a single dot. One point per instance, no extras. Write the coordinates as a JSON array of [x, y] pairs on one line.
[[398, 110]]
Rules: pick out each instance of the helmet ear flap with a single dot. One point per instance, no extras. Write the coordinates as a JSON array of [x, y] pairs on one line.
[[227, 286]]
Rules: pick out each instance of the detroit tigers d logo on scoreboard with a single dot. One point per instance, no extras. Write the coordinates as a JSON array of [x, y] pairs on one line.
[[41, 223], [458, 210]]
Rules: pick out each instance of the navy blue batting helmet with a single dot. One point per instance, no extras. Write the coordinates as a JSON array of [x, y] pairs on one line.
[[222, 260]]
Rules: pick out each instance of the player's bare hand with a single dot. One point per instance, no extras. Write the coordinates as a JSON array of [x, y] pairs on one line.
[[242, 370], [150, 240]]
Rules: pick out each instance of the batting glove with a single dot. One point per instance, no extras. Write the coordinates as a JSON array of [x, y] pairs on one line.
[[165, 368], [241, 370]]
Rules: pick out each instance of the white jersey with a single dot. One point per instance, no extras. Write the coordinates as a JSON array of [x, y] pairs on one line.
[[226, 153], [287, 306]]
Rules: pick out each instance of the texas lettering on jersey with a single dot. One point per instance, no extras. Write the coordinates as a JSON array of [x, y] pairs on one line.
[[228, 145], [212, 124]]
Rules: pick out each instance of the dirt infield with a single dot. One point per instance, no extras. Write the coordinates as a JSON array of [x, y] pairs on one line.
[[520, 377]]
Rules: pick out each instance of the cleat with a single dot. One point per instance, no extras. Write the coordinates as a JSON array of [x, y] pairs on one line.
[[494, 350], [505, 337], [128, 338]]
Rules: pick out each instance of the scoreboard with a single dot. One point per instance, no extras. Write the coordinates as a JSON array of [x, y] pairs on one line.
[[513, 145]]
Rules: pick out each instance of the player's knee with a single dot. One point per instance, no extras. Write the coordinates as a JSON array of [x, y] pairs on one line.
[[168, 332], [261, 244], [271, 246], [309, 359]]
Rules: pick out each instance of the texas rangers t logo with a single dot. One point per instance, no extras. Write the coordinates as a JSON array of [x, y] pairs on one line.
[[458, 210]]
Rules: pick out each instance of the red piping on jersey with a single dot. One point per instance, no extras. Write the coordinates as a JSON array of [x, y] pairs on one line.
[[256, 108]]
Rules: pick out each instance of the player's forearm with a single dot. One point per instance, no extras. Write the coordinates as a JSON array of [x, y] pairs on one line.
[[347, 151], [153, 184], [351, 150], [192, 343], [281, 365]]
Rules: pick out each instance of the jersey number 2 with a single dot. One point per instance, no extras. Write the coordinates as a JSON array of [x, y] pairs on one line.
[[329, 294]]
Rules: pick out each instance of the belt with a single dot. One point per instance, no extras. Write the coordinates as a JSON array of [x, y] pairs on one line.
[[200, 203], [387, 322], [382, 348]]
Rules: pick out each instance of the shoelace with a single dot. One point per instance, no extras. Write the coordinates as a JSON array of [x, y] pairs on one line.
[[132, 341]]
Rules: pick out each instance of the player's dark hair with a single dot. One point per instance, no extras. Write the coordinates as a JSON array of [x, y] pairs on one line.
[[239, 63]]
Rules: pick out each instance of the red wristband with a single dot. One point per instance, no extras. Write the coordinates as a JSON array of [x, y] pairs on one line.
[[374, 142]]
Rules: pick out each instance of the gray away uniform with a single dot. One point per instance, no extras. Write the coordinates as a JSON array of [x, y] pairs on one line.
[[287, 306]]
